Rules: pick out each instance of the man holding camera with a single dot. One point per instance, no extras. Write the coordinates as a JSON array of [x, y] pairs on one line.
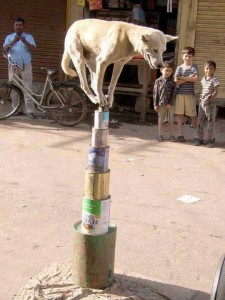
[[20, 45]]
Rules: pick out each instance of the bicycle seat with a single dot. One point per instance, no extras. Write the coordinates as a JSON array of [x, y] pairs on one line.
[[50, 71]]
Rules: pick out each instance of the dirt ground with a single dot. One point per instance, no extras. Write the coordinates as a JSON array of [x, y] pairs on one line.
[[160, 237]]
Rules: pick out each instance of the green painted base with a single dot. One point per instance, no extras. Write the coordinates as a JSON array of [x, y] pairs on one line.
[[93, 258]]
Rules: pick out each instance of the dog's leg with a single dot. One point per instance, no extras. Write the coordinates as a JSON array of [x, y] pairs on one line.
[[117, 69], [97, 84], [81, 71], [91, 65]]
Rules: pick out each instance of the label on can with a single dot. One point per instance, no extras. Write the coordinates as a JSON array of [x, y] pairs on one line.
[[98, 159], [96, 185], [95, 216], [101, 120], [99, 138]]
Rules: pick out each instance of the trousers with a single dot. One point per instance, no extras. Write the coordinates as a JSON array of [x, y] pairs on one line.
[[26, 76], [206, 118]]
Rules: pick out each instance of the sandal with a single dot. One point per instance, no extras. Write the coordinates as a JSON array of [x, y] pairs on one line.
[[198, 142], [160, 138], [172, 138], [181, 139]]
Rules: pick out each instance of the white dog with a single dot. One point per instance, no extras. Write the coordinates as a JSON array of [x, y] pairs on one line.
[[97, 44]]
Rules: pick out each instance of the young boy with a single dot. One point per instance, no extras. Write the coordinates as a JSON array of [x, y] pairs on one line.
[[207, 105], [163, 96], [185, 103]]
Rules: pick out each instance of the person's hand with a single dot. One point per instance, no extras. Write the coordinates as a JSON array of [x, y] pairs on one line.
[[156, 107], [16, 38], [22, 38], [168, 106]]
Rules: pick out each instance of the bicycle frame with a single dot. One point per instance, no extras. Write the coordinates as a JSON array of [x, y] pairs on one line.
[[30, 93], [18, 82]]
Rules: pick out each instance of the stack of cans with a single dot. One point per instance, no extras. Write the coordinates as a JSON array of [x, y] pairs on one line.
[[96, 200]]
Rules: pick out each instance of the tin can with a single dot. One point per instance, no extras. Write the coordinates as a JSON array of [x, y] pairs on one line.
[[96, 185], [95, 216], [98, 159], [99, 138], [101, 120]]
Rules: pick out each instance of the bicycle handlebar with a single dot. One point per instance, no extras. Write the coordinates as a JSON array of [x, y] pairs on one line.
[[14, 64]]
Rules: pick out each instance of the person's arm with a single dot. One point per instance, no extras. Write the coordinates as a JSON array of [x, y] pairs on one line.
[[9, 44], [155, 96], [177, 76], [30, 46], [173, 95], [192, 78], [213, 96], [178, 81]]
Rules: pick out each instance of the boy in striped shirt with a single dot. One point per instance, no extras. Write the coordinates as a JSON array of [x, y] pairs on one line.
[[185, 77], [207, 105]]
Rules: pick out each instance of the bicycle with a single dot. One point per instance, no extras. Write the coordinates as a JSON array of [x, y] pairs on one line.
[[65, 102]]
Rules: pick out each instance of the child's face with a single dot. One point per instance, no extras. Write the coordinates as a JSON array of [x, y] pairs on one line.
[[187, 58], [166, 72], [209, 70]]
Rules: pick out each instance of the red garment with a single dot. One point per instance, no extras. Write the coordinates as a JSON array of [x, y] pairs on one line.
[[95, 4]]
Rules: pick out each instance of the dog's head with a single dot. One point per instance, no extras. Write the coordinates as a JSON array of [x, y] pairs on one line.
[[153, 46]]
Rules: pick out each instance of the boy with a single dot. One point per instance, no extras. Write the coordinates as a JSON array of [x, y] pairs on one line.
[[207, 105], [185, 103], [163, 96]]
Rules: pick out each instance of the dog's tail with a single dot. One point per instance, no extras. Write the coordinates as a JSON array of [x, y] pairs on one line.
[[65, 64]]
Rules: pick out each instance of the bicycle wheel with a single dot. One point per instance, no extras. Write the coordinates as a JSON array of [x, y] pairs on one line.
[[218, 289], [67, 105], [10, 100]]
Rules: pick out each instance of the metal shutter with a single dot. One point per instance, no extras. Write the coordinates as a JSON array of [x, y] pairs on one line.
[[46, 21], [210, 38]]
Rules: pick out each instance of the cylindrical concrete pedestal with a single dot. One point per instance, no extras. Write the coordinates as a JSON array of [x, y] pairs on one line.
[[93, 258]]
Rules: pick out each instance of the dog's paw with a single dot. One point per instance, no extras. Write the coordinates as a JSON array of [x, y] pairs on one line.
[[94, 100], [109, 101], [103, 102]]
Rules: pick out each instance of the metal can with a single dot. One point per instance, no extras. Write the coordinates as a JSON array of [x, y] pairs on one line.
[[96, 185], [99, 138], [101, 120], [95, 216], [98, 159]]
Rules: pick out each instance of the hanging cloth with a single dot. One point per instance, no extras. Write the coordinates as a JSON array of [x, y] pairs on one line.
[[81, 3], [169, 6]]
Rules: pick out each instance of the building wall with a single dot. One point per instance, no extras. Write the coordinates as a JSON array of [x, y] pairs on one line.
[[74, 12], [46, 21]]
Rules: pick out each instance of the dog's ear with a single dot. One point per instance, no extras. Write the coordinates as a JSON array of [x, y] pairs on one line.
[[171, 38], [145, 38]]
